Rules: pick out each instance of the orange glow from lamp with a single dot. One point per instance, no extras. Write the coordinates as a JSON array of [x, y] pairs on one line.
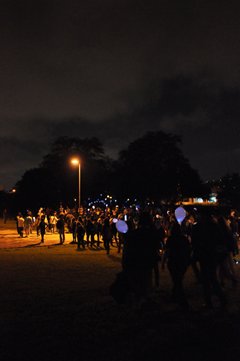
[[76, 161]]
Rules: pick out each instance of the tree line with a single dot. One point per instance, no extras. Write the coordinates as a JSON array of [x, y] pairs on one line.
[[152, 168]]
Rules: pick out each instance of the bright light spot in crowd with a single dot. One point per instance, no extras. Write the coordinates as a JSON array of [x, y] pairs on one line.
[[180, 214], [122, 227]]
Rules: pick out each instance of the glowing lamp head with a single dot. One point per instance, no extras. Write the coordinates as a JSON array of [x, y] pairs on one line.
[[75, 161]]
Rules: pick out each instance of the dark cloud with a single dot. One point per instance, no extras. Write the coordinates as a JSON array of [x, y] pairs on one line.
[[115, 70]]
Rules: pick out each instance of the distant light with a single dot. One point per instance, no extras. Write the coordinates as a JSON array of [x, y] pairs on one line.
[[212, 198]]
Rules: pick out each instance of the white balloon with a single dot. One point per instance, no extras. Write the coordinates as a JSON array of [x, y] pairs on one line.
[[122, 227], [180, 214]]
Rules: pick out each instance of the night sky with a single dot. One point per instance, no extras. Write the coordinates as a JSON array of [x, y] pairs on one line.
[[115, 69]]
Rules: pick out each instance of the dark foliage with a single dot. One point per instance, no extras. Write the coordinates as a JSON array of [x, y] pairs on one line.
[[56, 180], [228, 189], [154, 167]]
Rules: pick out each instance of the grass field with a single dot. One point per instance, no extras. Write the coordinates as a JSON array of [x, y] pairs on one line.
[[55, 305]]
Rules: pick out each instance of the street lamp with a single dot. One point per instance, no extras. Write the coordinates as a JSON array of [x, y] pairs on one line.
[[76, 161]]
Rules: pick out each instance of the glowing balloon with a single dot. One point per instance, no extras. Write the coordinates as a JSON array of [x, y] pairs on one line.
[[122, 227], [115, 220], [180, 214]]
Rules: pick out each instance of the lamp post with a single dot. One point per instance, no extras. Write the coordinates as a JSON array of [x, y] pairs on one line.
[[76, 161]]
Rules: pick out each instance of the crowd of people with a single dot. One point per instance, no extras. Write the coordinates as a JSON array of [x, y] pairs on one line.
[[88, 228], [205, 242]]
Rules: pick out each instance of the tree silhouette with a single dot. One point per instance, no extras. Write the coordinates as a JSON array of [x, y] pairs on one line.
[[153, 167], [229, 190], [90, 153], [56, 179]]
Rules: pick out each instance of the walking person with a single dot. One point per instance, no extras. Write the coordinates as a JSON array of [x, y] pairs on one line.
[[53, 222], [28, 224], [37, 222], [74, 230], [207, 239], [107, 234], [20, 224], [139, 257], [177, 254], [120, 235], [98, 227], [93, 230], [42, 228], [227, 267], [89, 230], [234, 228], [60, 227], [5, 216], [16, 219], [114, 231], [80, 231]]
